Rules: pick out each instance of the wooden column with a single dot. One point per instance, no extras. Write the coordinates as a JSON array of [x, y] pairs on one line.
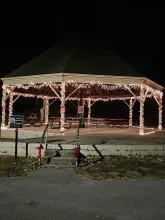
[[142, 97], [62, 108], [46, 110], [3, 106], [10, 107], [89, 111], [130, 112], [160, 113]]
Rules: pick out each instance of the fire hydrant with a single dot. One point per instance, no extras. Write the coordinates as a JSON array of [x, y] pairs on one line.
[[40, 148]]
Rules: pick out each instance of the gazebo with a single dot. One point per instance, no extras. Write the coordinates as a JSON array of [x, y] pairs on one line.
[[72, 70]]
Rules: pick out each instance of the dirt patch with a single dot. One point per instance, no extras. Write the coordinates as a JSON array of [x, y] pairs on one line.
[[11, 167], [116, 168]]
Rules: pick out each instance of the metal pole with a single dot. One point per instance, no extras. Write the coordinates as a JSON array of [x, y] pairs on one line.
[[16, 142], [81, 116], [78, 143], [26, 150]]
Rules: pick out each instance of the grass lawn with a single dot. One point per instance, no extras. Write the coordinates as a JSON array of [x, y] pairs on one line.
[[116, 168], [11, 167]]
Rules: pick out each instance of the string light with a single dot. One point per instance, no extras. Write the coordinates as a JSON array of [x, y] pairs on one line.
[[46, 110], [3, 105], [89, 111], [62, 108], [142, 96], [10, 106], [130, 112], [151, 92], [160, 113]]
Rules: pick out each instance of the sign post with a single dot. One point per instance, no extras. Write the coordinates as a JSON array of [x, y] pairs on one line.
[[16, 142], [16, 121], [81, 114]]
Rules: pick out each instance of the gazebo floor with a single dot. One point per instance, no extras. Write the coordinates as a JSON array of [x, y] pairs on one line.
[[102, 135]]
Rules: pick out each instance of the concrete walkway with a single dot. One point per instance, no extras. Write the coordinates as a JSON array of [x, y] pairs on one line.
[[60, 194]]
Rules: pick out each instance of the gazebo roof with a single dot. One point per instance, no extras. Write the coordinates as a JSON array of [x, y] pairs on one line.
[[80, 61], [83, 57]]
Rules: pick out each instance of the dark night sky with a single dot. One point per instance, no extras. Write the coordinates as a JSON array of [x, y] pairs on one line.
[[28, 28]]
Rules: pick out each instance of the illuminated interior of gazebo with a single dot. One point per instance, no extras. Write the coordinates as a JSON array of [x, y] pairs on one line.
[[89, 88]]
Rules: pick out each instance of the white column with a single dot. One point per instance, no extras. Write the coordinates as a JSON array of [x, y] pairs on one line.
[[10, 106], [46, 110], [130, 112], [62, 108], [142, 94], [160, 113], [89, 111], [3, 105]]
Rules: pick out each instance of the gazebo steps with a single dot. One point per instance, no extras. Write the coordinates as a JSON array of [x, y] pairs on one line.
[[62, 158], [50, 153]]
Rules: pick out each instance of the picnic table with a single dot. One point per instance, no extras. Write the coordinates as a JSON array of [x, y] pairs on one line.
[[115, 122]]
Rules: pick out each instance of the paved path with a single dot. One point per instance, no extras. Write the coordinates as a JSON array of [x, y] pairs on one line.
[[60, 194]]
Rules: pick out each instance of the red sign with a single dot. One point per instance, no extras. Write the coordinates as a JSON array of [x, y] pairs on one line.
[[80, 109]]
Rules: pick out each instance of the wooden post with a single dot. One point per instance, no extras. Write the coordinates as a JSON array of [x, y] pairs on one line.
[[3, 106], [142, 96], [130, 112], [62, 108], [160, 113], [89, 111], [10, 107]]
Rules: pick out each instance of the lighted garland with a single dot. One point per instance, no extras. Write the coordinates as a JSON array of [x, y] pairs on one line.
[[130, 112], [46, 105], [62, 108], [3, 105], [89, 111], [36, 86], [142, 96], [10, 105], [75, 98], [86, 86], [160, 114], [153, 91]]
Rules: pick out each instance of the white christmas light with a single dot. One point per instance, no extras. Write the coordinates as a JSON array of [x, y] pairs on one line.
[[142, 96], [160, 112], [10, 106], [62, 108], [46, 100], [130, 112], [89, 111], [3, 105]]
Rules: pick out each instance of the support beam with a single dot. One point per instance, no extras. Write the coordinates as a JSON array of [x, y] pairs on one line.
[[89, 111], [16, 98], [62, 110], [93, 103], [126, 103], [74, 90], [131, 92], [73, 104], [46, 105], [52, 102], [7, 95], [130, 112], [54, 91], [160, 113], [10, 107], [3, 106], [142, 100]]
